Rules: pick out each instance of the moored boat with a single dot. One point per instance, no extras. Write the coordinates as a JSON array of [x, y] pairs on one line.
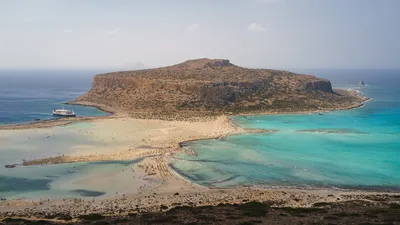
[[64, 112], [11, 165]]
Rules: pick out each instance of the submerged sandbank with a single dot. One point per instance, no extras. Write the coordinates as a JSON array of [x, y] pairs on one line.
[[110, 139]]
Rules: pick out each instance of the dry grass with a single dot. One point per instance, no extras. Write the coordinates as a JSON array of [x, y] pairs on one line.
[[207, 87]]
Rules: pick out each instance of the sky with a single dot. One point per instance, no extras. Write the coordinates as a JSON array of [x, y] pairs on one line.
[[134, 34]]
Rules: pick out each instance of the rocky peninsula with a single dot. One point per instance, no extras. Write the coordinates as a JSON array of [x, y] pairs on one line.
[[209, 87]]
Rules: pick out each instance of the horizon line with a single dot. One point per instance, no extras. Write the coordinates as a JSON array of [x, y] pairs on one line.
[[155, 67]]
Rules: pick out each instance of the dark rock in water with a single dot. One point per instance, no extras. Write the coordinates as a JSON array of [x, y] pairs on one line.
[[183, 144], [87, 193], [3, 199], [37, 119], [11, 166], [362, 83]]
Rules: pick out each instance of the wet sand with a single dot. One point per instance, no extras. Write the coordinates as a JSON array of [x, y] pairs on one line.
[[160, 186]]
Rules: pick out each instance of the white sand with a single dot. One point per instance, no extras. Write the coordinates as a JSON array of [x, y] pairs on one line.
[[112, 139]]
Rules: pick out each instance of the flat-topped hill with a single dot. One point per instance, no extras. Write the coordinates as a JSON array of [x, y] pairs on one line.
[[215, 70], [212, 86]]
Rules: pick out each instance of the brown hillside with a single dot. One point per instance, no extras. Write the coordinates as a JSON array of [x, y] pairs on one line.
[[209, 87]]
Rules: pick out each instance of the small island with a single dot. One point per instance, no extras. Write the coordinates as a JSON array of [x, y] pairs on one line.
[[213, 87]]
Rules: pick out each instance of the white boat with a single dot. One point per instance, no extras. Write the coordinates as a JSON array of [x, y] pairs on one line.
[[64, 112]]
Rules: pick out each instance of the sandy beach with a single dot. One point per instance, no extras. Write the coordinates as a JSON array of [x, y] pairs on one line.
[[124, 138]]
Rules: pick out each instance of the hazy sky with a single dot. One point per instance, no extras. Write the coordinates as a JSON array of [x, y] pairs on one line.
[[84, 34]]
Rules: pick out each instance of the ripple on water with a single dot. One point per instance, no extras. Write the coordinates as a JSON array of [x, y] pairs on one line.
[[358, 150], [70, 180], [334, 131], [17, 184]]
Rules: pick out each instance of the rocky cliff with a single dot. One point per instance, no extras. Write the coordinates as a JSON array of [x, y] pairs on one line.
[[205, 86]]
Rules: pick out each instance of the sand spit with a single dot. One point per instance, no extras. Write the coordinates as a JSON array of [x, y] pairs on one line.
[[138, 137], [54, 122]]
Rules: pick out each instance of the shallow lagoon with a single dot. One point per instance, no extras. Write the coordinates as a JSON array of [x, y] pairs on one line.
[[356, 149], [75, 180], [72, 180]]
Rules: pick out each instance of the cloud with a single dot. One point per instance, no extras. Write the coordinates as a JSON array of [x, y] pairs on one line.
[[67, 31], [112, 31], [28, 20], [193, 27], [254, 27]]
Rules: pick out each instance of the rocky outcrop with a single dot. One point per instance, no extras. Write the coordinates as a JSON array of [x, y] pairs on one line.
[[207, 86], [320, 85], [219, 63]]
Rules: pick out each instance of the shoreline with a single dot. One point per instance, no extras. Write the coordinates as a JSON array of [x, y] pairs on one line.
[[170, 182], [62, 121], [100, 107], [58, 122], [351, 107], [135, 210], [293, 188], [178, 175], [192, 196], [114, 113]]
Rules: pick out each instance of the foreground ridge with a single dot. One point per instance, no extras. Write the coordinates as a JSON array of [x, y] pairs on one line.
[[244, 206]]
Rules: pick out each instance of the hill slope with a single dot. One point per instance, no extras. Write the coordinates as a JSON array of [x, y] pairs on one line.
[[210, 87]]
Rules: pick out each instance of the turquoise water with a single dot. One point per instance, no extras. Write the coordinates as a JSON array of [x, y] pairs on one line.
[[355, 149], [72, 180]]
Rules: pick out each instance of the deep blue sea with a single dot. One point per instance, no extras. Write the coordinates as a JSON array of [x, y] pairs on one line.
[[29, 95], [26, 96], [354, 149]]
